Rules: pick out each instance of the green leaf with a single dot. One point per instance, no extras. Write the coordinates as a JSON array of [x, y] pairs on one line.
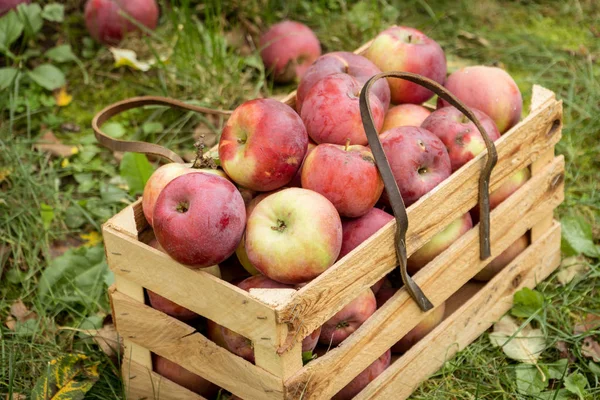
[[111, 193], [48, 76], [54, 12], [7, 77], [31, 17], [308, 356], [114, 129], [61, 54], [67, 378], [577, 237], [47, 214], [561, 394], [557, 370], [136, 170], [152, 127], [576, 384], [529, 380], [594, 368], [11, 28], [527, 302]]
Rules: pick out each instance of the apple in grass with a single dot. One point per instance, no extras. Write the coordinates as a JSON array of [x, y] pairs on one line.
[[183, 377], [346, 175], [105, 23], [293, 236], [490, 90], [501, 261], [438, 243], [199, 219], [364, 378], [263, 144], [337, 62], [348, 319], [418, 159], [401, 48], [331, 111], [404, 115], [461, 137], [287, 49]]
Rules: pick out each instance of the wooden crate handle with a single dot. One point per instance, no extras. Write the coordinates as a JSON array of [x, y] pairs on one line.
[[391, 187]]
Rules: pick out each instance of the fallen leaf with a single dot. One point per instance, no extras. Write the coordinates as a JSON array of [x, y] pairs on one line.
[[526, 345], [70, 376], [564, 351], [591, 322], [62, 98], [59, 247], [48, 142], [19, 313], [571, 268], [128, 58], [91, 239], [70, 127], [471, 36], [109, 340], [591, 349]]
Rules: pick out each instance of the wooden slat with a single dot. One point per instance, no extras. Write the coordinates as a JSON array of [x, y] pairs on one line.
[[143, 384], [181, 344], [125, 220], [318, 301], [468, 322], [196, 290], [442, 277]]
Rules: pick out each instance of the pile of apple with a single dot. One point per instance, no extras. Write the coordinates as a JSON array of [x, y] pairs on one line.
[[316, 191]]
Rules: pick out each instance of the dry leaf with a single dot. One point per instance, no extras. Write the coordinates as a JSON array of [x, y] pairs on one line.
[[564, 351], [591, 349], [590, 323], [50, 143], [62, 98], [59, 247], [526, 345], [471, 36], [109, 340], [570, 268], [19, 313]]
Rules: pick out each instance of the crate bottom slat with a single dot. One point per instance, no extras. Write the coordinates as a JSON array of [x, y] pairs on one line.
[[469, 321]]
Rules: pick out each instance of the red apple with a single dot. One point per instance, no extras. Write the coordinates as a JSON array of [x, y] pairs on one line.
[[346, 175], [232, 270], [331, 112], [263, 144], [419, 160], [401, 48], [287, 49], [511, 185], [215, 333], [489, 89], [348, 319], [461, 137], [7, 5], [199, 219], [404, 115], [342, 62], [183, 377], [106, 24], [505, 258], [364, 378], [294, 235], [357, 230], [161, 177], [439, 243]]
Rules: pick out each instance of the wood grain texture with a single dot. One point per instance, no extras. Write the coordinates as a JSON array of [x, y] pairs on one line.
[[196, 290], [318, 301], [283, 365], [143, 384], [468, 322], [441, 278], [181, 344], [125, 220]]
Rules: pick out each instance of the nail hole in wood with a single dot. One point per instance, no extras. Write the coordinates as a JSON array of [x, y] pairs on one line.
[[553, 128], [517, 281]]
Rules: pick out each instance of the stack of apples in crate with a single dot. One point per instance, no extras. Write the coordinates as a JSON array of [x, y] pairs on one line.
[[315, 191]]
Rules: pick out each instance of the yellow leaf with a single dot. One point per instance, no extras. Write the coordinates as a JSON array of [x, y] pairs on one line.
[[128, 58], [62, 98], [91, 239]]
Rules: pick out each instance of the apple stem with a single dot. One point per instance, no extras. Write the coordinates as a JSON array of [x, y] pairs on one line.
[[342, 324], [347, 144], [409, 38], [280, 226]]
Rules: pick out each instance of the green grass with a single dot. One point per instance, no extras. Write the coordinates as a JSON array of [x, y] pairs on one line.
[[551, 43]]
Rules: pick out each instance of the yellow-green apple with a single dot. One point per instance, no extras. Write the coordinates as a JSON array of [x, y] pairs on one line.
[[461, 137], [242, 346], [357, 230], [364, 378], [199, 219], [342, 62], [263, 144], [511, 185], [331, 112], [488, 89], [287, 49], [297, 180], [161, 177], [183, 377], [108, 21], [404, 115], [438, 243], [501, 261], [294, 235], [346, 175], [348, 319], [427, 324], [401, 48], [419, 161]]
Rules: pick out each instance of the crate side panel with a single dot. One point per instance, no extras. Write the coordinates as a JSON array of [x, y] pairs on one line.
[[469, 321], [439, 280]]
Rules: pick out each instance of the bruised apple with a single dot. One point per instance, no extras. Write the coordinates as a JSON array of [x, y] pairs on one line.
[[348, 319]]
